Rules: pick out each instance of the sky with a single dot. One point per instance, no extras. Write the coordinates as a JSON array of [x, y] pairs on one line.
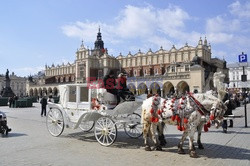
[[45, 32]]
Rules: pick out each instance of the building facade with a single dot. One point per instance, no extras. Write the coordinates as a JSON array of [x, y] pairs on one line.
[[189, 68], [235, 72], [17, 84]]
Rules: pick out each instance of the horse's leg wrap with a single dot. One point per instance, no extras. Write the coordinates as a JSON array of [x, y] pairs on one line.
[[153, 129], [162, 140], [180, 146], [146, 135], [161, 137], [193, 154], [199, 128]]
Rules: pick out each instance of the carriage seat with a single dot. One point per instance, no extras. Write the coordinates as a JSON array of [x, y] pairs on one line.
[[107, 99]]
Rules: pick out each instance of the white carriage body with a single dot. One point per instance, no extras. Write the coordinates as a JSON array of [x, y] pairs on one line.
[[81, 104]]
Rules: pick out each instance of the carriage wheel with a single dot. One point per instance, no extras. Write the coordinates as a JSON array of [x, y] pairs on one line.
[[134, 127], [105, 131], [55, 122], [87, 126]]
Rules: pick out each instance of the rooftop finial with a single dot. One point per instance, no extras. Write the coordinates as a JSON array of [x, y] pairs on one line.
[[205, 41], [82, 44], [99, 29]]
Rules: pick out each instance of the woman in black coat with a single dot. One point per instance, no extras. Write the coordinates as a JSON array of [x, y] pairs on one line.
[[230, 107]]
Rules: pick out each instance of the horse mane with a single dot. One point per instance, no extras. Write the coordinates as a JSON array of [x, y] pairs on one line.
[[149, 95], [218, 80]]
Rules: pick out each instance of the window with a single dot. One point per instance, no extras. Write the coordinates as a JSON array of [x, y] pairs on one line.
[[187, 68], [168, 69], [72, 94], [156, 71], [100, 74], [237, 77], [145, 72], [173, 69], [233, 77], [82, 70], [84, 94], [135, 73]]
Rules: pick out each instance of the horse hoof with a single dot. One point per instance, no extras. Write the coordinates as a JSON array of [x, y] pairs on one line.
[[148, 148], [158, 148], [200, 146], [193, 154], [181, 151], [163, 143]]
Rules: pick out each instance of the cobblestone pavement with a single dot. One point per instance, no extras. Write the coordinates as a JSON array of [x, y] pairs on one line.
[[29, 143]]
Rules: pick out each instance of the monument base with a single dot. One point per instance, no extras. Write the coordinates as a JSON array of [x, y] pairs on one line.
[[7, 92]]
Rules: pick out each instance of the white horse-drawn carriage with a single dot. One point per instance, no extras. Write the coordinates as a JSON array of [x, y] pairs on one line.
[[89, 107]]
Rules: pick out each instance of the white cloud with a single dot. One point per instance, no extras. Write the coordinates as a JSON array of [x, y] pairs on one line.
[[220, 54], [26, 71], [171, 20], [240, 10], [221, 24], [159, 41], [136, 22], [153, 27], [220, 37]]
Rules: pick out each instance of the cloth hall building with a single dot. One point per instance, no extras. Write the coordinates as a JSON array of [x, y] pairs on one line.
[[189, 68]]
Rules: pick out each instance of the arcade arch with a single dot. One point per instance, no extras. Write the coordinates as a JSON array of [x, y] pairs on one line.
[[55, 91], [142, 89], [49, 90], [182, 87], [35, 92], [155, 88], [132, 88], [168, 88], [31, 92], [40, 92]]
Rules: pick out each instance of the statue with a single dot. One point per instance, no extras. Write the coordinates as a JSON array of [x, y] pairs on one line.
[[7, 75], [7, 91]]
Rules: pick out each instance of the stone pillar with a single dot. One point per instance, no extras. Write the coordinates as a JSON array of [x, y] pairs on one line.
[[162, 93]]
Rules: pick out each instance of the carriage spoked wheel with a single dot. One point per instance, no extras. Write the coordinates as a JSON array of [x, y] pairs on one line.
[[134, 127], [105, 131], [87, 126], [55, 122]]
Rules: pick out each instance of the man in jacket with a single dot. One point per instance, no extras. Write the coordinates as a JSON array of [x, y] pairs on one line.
[[110, 84], [43, 104]]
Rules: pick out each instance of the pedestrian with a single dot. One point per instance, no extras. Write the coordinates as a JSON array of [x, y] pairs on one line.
[[14, 102], [230, 107], [10, 101], [43, 104]]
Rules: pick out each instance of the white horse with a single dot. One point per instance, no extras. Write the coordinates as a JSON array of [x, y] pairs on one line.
[[190, 112]]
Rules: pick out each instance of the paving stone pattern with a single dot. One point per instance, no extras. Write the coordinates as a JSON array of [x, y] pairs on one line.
[[29, 143]]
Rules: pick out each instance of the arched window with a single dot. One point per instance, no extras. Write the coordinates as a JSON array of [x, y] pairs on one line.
[[156, 72], [135, 73], [173, 69]]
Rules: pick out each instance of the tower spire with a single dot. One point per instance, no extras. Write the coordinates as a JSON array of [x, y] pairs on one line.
[[99, 43]]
